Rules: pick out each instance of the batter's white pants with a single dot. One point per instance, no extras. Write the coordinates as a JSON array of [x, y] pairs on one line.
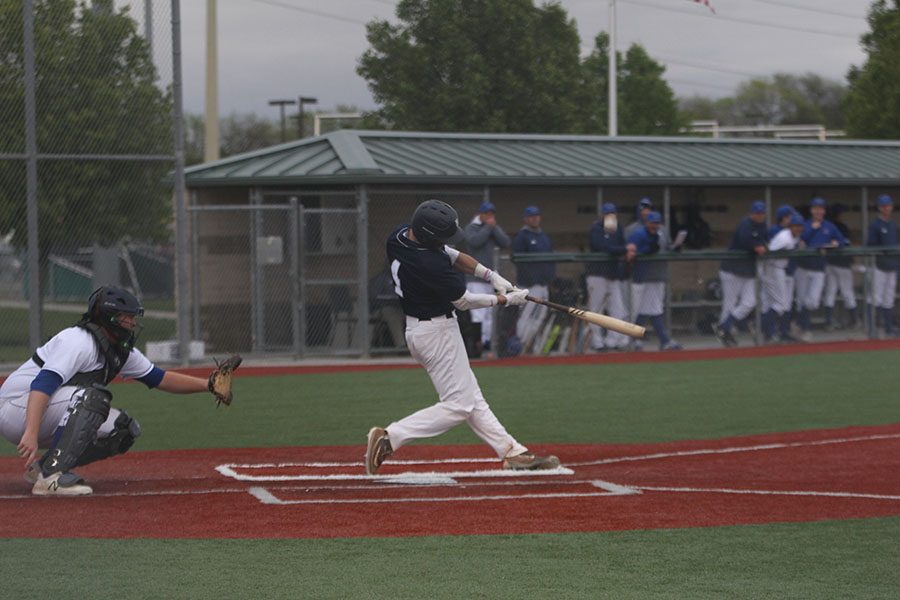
[[647, 298], [738, 296], [776, 290], [809, 286], [884, 288], [12, 416], [606, 294], [438, 346], [531, 316], [485, 315], [839, 279]]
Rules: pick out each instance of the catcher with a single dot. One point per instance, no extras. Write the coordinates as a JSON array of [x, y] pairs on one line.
[[58, 398]]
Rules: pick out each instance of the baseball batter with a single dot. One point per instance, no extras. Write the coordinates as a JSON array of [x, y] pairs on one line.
[[428, 277], [883, 233], [58, 399]]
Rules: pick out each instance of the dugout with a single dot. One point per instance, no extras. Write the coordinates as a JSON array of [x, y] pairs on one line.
[[287, 242]]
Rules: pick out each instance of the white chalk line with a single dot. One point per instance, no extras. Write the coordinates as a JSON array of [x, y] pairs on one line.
[[134, 494], [733, 449], [767, 492], [228, 471]]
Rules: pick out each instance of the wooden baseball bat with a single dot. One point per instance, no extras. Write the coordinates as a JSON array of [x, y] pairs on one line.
[[611, 323]]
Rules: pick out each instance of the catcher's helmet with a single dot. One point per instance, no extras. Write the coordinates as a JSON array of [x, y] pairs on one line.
[[435, 223], [104, 307]]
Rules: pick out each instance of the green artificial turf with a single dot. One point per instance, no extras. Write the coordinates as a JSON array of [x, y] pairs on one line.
[[537, 404], [829, 559]]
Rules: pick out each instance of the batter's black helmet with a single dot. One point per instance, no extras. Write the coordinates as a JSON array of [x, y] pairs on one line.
[[435, 223], [104, 307]]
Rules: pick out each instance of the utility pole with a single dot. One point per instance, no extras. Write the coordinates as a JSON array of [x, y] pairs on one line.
[[281, 104], [613, 78], [303, 100], [211, 139]]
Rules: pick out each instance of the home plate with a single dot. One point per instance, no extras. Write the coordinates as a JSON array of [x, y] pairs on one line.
[[418, 479]]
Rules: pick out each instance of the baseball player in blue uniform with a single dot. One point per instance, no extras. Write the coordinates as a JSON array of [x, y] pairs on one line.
[[810, 276], [604, 279], [483, 235], [738, 276], [782, 219], [58, 398], [883, 233], [648, 287], [429, 278], [537, 277]]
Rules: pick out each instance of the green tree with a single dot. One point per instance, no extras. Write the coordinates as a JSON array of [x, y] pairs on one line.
[[786, 99], [97, 92], [873, 100], [475, 65], [646, 103]]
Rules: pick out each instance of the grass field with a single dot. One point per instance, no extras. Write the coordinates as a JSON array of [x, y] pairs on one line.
[[539, 404]]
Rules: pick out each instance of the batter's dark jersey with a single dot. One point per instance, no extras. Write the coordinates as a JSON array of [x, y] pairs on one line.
[[424, 278]]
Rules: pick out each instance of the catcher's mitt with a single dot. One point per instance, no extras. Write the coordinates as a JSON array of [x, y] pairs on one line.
[[220, 379]]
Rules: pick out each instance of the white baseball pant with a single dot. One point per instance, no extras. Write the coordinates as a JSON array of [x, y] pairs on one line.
[[884, 288], [606, 294], [438, 346], [776, 290], [485, 315], [647, 298], [12, 416], [738, 296], [809, 286], [839, 279], [531, 315]]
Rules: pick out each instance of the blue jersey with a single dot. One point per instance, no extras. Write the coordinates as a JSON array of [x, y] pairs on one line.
[[819, 238], [529, 274], [612, 243], [748, 235], [424, 278], [884, 233], [646, 243]]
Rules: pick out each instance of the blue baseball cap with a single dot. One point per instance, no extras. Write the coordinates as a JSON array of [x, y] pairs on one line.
[[532, 211], [608, 208], [884, 200], [817, 202], [645, 203], [654, 217], [796, 219], [783, 211], [758, 207], [487, 207]]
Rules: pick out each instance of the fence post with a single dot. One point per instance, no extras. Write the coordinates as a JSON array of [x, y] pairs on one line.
[[294, 276], [362, 266]]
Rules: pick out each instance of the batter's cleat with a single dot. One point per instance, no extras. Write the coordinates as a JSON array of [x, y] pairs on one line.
[[61, 484], [32, 472], [530, 462], [377, 449]]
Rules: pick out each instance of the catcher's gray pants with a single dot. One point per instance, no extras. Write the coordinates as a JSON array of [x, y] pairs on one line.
[[606, 294], [839, 279], [12, 416], [438, 346], [531, 315]]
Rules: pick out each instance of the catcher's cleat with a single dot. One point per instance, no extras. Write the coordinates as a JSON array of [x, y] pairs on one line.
[[377, 449], [530, 462], [61, 484], [32, 472]]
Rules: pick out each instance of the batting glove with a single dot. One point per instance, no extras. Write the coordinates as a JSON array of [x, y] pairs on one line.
[[516, 297], [500, 284]]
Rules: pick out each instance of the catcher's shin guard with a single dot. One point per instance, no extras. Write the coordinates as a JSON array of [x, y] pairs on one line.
[[80, 431], [125, 431]]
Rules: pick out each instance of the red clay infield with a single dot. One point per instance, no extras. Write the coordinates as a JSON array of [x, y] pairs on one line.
[[448, 490]]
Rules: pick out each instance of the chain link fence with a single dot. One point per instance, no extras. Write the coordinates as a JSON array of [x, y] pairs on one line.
[[86, 143]]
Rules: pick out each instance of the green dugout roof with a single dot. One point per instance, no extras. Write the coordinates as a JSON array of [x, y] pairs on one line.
[[351, 157]]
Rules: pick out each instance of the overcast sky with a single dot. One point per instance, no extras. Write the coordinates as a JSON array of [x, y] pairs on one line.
[[284, 48]]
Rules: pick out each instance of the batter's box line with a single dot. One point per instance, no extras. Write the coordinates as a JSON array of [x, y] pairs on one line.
[[228, 470], [610, 489]]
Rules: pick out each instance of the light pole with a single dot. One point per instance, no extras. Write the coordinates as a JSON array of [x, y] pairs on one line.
[[613, 117], [281, 104], [303, 100]]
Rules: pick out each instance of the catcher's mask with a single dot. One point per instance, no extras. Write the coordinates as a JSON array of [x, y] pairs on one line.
[[106, 306], [435, 223]]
